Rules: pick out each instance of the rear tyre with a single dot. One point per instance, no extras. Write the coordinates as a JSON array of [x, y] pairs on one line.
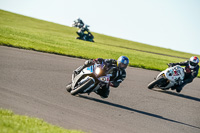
[[155, 82], [81, 88]]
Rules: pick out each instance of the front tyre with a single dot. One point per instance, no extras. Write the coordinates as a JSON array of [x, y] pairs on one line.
[[155, 82], [84, 86], [69, 87]]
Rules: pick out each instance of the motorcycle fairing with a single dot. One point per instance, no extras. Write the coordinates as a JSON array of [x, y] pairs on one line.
[[83, 73], [173, 75]]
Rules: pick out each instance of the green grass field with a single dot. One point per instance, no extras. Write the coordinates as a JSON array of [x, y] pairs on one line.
[[12, 123], [29, 33]]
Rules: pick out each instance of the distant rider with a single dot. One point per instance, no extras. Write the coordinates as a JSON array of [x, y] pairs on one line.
[[81, 31], [191, 71], [117, 68], [79, 23]]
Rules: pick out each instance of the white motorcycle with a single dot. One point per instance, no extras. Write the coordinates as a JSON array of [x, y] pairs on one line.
[[89, 80], [168, 78]]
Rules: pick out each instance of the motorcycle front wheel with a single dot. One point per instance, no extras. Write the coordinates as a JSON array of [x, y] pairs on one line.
[[81, 88], [68, 87], [155, 82]]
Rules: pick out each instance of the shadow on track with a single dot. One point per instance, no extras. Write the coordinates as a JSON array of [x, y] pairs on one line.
[[135, 110], [179, 95]]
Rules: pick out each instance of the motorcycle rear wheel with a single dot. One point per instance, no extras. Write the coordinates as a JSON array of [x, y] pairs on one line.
[[155, 82], [82, 87]]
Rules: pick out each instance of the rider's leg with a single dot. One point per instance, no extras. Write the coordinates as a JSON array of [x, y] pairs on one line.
[[186, 81], [179, 88], [104, 91]]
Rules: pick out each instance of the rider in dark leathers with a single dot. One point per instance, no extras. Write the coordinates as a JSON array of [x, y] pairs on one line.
[[117, 68], [191, 71], [81, 31], [79, 23]]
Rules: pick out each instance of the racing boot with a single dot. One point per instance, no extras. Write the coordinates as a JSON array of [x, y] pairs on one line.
[[103, 92], [180, 87], [174, 87]]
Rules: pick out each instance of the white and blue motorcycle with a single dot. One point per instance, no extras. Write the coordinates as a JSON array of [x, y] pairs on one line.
[[168, 78], [90, 79]]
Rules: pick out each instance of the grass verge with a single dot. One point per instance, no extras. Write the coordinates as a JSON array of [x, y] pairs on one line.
[[12, 123]]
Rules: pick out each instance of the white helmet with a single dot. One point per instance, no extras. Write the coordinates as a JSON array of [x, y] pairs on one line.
[[193, 62]]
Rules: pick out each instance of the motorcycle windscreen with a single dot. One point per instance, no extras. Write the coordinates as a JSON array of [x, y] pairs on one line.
[[91, 68]]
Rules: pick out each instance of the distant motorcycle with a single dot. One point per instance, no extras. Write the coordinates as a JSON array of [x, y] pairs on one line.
[[85, 36], [89, 80], [168, 78]]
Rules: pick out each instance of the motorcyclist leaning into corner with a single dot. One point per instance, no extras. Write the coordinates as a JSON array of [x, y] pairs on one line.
[[118, 72], [80, 23], [81, 31], [191, 71]]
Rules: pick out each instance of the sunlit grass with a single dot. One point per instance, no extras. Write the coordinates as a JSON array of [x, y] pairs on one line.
[[12, 123]]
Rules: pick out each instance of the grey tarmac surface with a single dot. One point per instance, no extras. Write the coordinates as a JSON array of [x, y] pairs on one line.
[[33, 83]]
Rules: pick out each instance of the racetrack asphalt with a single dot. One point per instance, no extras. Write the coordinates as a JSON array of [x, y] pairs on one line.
[[33, 83]]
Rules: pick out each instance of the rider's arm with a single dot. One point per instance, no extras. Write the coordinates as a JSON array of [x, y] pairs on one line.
[[122, 76], [195, 72], [107, 61], [119, 79], [81, 22], [99, 60], [185, 63], [110, 62]]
